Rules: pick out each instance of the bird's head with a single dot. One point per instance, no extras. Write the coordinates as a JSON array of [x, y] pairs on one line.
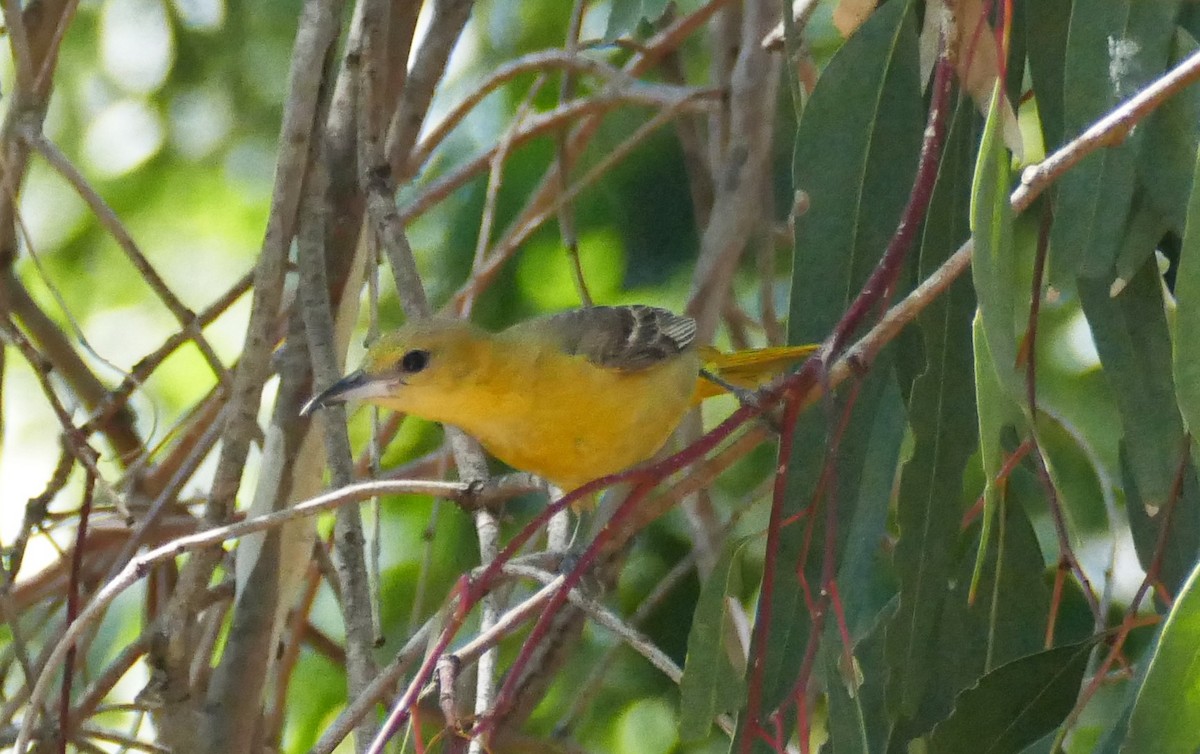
[[407, 366]]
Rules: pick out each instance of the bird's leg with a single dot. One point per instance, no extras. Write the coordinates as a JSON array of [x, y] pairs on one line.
[[744, 396], [559, 532]]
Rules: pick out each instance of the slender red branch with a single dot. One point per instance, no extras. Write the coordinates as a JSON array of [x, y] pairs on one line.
[[541, 628], [839, 613], [1006, 35], [1010, 465], [1064, 537], [64, 701], [1152, 573], [418, 742], [1067, 561], [1164, 532], [765, 602], [1160, 590], [818, 605], [1060, 576], [806, 666], [1067, 554], [892, 262]]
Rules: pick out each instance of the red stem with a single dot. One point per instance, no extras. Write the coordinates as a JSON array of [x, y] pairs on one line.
[[892, 262], [64, 701], [758, 667], [1131, 621]]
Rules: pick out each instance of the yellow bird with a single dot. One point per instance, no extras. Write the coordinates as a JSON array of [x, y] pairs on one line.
[[571, 397]]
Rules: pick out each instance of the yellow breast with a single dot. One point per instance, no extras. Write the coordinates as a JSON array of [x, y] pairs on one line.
[[557, 415], [582, 422]]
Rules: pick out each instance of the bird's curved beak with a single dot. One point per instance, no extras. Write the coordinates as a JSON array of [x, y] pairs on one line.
[[356, 385]]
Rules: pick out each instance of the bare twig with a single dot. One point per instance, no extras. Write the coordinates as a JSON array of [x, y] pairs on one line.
[[446, 24], [537, 61], [108, 218], [492, 194], [64, 702]]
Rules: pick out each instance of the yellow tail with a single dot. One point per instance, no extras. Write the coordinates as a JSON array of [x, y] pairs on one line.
[[747, 369]]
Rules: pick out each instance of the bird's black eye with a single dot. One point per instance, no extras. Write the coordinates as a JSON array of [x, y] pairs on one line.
[[414, 361]]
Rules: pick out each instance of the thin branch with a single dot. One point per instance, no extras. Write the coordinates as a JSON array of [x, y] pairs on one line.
[[566, 213], [487, 217], [319, 27], [448, 19], [541, 61], [542, 201], [73, 439], [64, 702], [349, 558], [141, 371], [384, 683], [636, 640], [737, 211], [169, 494], [317, 33], [14, 22], [118, 428], [108, 218]]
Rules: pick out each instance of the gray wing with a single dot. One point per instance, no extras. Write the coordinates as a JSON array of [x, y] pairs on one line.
[[628, 338]]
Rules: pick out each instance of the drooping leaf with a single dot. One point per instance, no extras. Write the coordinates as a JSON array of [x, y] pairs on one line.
[[1008, 616], [1046, 40], [1130, 332], [858, 719], [1131, 335], [865, 578], [1146, 522], [855, 689], [1115, 47], [997, 412], [1165, 164], [1074, 469], [712, 673], [1002, 300], [1186, 350], [1016, 704], [856, 153], [1145, 228], [941, 417], [1172, 683]]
